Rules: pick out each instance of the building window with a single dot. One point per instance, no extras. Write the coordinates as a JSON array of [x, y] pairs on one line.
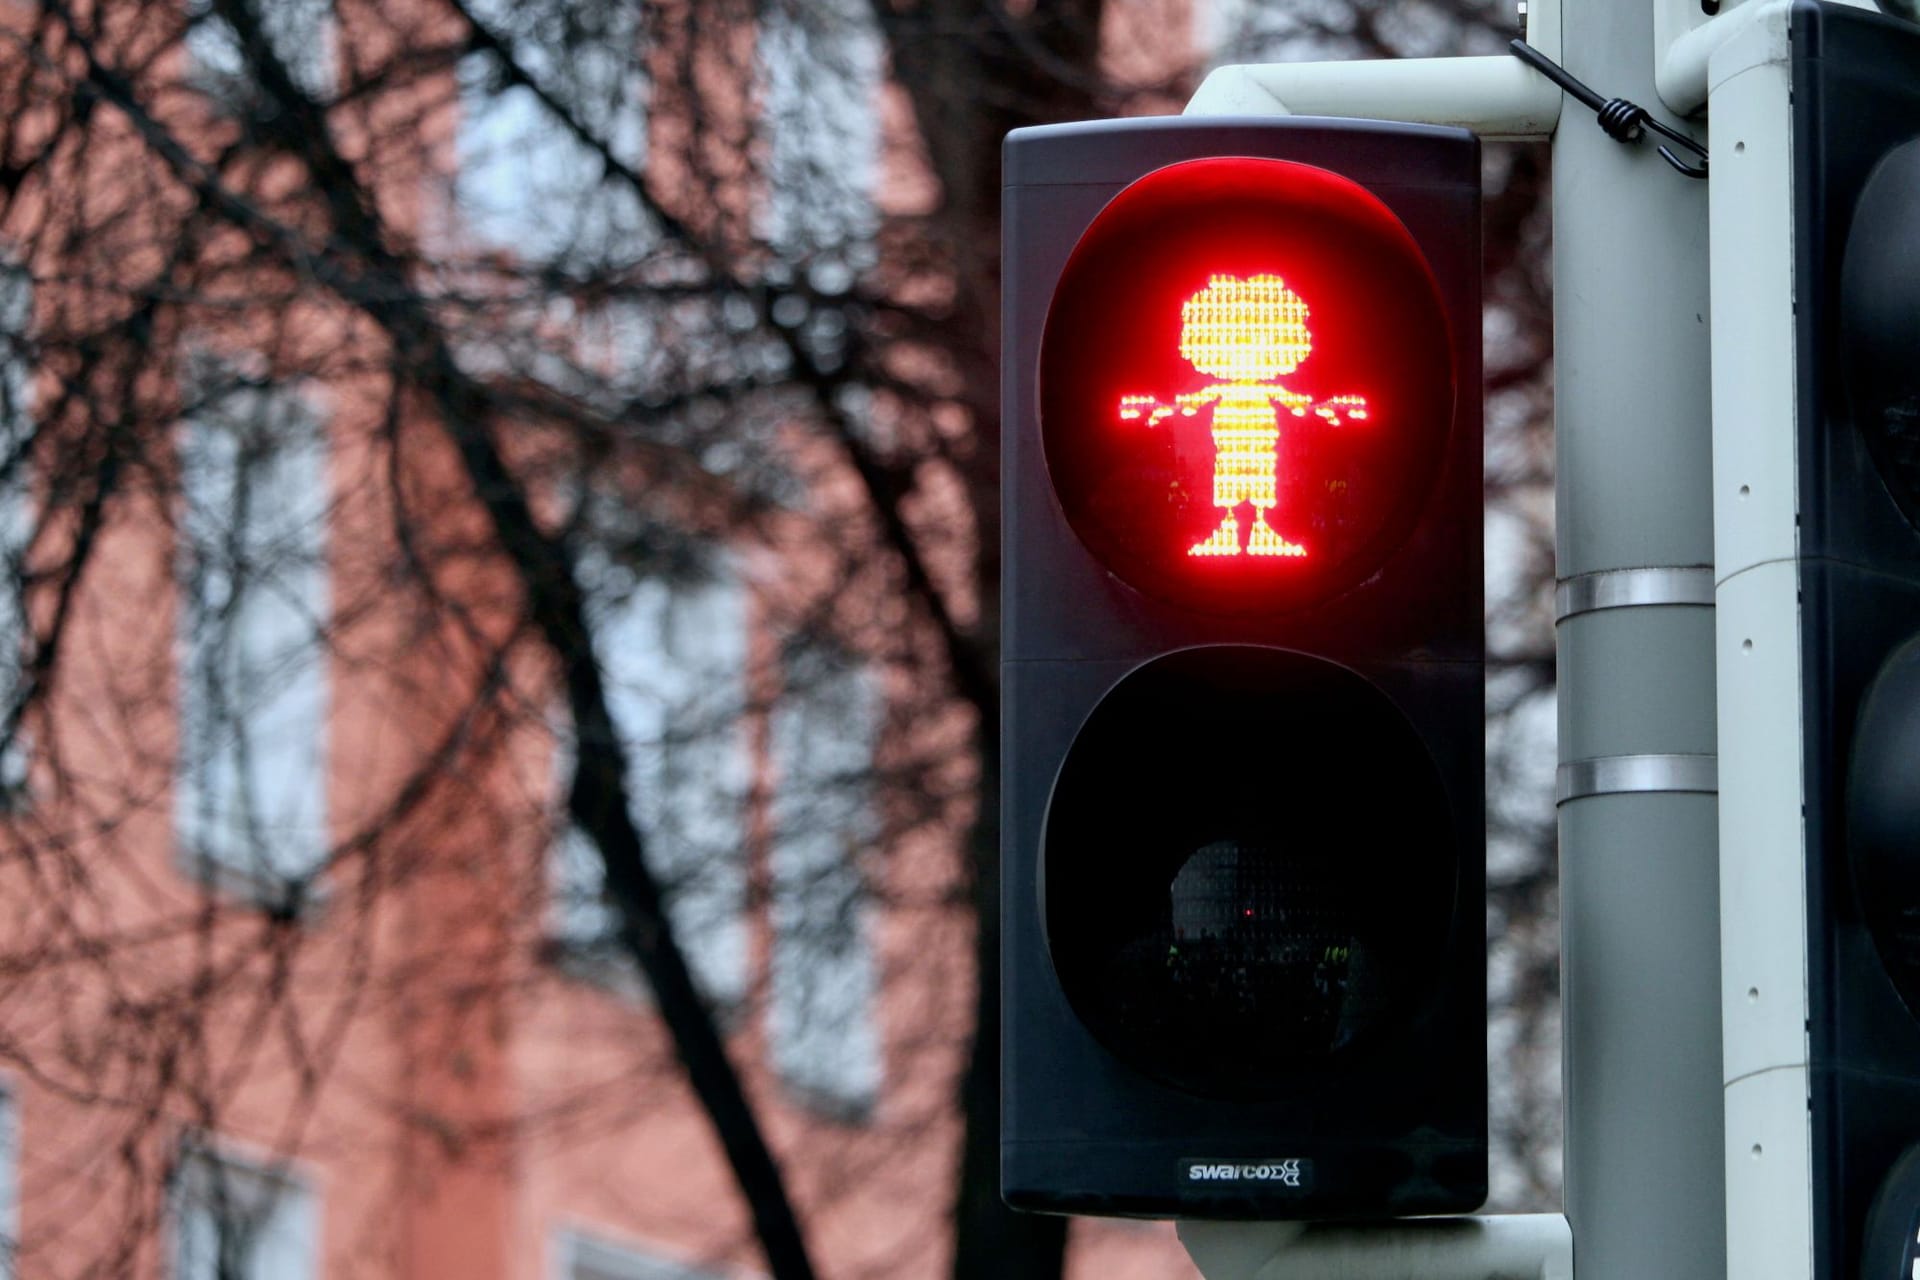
[[673, 658], [238, 1221], [16, 522], [251, 799], [523, 181], [303, 35], [585, 1258], [821, 1023], [819, 69]]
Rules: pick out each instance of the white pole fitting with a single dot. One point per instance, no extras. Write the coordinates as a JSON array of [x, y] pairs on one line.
[[1499, 98], [1529, 1246], [1496, 97]]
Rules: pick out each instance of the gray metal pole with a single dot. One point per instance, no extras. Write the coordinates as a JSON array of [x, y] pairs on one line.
[[1639, 879]]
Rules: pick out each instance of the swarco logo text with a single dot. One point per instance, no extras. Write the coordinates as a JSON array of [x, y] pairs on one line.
[[1285, 1173]]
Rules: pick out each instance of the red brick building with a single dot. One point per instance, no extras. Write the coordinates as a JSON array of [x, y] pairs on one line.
[[305, 973]]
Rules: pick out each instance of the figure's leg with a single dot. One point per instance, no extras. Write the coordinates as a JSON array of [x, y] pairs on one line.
[[1229, 486], [1263, 538], [1263, 541], [1224, 541]]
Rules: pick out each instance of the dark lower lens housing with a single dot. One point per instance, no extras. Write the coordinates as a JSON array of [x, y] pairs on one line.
[[1246, 869]]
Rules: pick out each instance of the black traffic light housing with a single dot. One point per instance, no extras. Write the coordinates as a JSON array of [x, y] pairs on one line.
[[1856, 156], [1243, 670]]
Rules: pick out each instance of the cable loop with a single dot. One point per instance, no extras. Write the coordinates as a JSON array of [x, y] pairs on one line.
[[1621, 120]]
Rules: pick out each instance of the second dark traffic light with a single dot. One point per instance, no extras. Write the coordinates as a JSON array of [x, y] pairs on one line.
[[1244, 667], [1856, 180]]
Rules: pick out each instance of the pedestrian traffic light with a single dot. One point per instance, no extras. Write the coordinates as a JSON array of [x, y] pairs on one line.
[[1243, 667], [1856, 157]]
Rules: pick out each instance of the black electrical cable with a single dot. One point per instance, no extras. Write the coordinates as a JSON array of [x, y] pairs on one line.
[[1621, 120]]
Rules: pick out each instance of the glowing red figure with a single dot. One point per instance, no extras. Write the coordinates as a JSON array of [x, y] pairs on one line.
[[1247, 332]]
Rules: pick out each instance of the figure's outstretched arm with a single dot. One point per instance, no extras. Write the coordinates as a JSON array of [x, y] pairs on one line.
[[1292, 401], [1157, 411], [1336, 410], [1191, 402], [1133, 408]]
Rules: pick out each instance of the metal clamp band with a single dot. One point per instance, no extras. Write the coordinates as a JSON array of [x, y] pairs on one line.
[[1614, 775], [1626, 588]]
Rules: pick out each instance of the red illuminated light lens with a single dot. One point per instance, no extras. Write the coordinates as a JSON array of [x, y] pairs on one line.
[[1245, 384]]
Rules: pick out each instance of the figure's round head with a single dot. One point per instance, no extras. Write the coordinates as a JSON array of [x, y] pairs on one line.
[[1245, 329]]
